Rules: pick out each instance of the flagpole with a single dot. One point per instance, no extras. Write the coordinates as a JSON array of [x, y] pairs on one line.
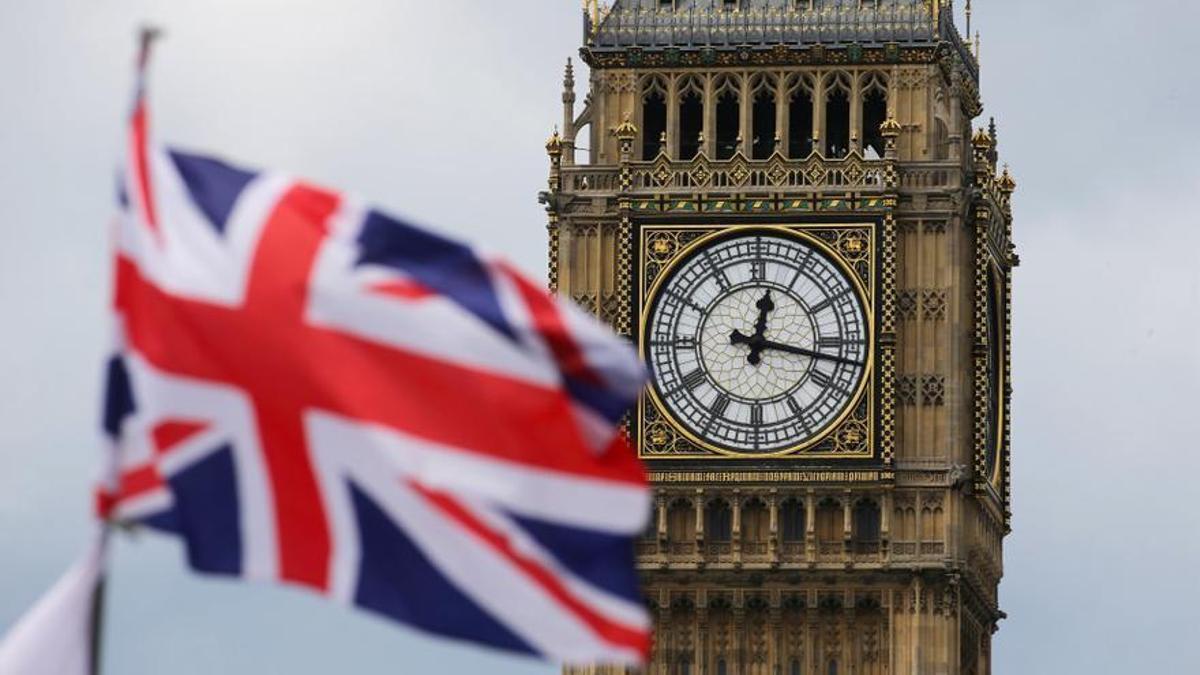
[[98, 602], [147, 35]]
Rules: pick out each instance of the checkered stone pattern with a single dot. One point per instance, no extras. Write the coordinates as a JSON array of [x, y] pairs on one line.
[[552, 232], [887, 284], [981, 421], [624, 314], [887, 404], [981, 345], [1006, 459]]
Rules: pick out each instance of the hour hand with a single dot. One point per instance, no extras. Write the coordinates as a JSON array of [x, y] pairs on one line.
[[765, 306], [755, 342]]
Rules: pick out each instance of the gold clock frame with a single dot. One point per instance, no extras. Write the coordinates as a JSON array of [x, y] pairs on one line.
[[851, 247], [993, 288]]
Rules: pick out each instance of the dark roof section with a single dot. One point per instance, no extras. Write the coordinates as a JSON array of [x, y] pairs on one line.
[[713, 23], [718, 24]]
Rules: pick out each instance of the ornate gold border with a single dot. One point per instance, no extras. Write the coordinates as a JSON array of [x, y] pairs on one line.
[[654, 420], [989, 270], [1002, 368]]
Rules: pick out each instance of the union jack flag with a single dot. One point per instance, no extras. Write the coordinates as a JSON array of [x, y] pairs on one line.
[[307, 390]]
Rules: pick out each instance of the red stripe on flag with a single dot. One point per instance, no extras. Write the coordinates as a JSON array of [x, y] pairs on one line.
[[636, 639], [173, 432], [403, 288], [552, 328], [141, 165]]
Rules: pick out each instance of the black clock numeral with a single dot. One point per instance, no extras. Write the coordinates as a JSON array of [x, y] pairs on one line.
[[677, 342], [756, 414], [716, 411], [828, 302], [821, 306], [719, 406], [693, 379], [798, 413], [685, 300], [796, 277], [821, 378], [831, 343], [718, 273]]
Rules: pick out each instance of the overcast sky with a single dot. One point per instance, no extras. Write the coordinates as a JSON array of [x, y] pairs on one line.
[[438, 110]]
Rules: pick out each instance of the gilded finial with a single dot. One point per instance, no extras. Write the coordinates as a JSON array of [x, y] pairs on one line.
[[1007, 184], [626, 131], [554, 144], [890, 128], [981, 140]]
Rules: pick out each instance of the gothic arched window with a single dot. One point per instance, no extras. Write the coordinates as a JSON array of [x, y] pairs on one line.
[[654, 117], [764, 115], [800, 117], [866, 526], [718, 521], [691, 117], [792, 518], [756, 527], [941, 139], [874, 113], [729, 116], [837, 116], [681, 522], [829, 525]]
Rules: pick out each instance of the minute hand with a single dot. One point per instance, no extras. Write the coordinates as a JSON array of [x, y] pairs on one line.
[[768, 344]]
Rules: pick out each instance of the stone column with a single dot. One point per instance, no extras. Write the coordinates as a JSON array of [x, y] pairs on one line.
[[673, 116], [710, 119], [746, 117]]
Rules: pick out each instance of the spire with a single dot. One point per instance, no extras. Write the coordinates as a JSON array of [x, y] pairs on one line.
[[568, 114], [968, 17], [569, 76]]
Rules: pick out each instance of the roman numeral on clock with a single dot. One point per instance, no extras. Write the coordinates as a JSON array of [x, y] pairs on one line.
[[831, 342], [821, 378], [719, 406], [716, 410], [718, 273], [798, 413], [693, 379]]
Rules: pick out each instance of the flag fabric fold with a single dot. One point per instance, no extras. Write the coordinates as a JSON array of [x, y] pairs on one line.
[[310, 391], [57, 635]]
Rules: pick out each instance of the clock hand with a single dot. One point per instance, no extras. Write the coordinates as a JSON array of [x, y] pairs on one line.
[[768, 344], [765, 305], [755, 342]]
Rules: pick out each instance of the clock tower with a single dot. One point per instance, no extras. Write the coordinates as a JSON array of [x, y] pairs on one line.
[[788, 207]]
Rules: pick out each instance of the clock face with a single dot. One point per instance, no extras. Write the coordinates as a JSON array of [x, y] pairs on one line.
[[757, 342], [996, 354]]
